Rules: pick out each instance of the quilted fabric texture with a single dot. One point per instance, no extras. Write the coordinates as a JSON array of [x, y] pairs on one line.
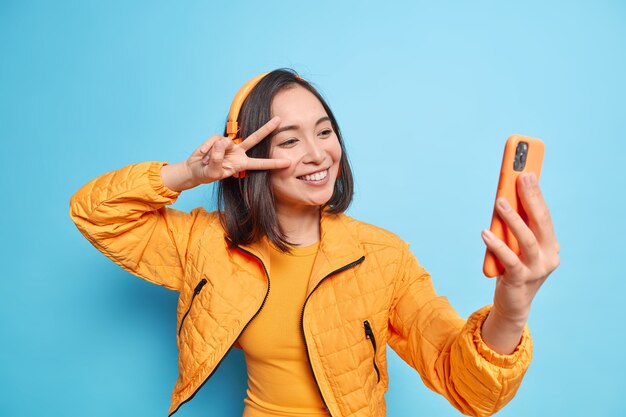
[[361, 273]]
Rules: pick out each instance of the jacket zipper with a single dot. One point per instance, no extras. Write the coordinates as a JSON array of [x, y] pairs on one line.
[[196, 291], [306, 346], [369, 333], [267, 293]]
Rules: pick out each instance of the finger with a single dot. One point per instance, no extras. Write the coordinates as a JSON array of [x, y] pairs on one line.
[[260, 134], [206, 146], [263, 164], [535, 206], [226, 144], [524, 235], [505, 255], [216, 159]]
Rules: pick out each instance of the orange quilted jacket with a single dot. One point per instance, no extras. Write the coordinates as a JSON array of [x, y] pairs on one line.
[[367, 290]]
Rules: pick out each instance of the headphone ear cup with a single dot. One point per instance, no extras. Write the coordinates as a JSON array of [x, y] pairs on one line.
[[232, 127]]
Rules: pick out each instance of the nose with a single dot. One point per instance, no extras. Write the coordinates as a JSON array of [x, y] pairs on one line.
[[314, 152]]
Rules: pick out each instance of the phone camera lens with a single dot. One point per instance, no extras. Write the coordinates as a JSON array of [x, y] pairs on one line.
[[521, 151]]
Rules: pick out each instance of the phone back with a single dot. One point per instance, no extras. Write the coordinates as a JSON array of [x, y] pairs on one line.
[[512, 167]]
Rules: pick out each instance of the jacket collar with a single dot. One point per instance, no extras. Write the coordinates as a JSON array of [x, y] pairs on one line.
[[339, 247]]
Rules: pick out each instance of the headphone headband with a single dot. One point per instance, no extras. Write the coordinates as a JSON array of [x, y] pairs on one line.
[[232, 128]]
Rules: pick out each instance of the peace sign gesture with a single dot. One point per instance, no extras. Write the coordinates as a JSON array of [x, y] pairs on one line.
[[218, 158]]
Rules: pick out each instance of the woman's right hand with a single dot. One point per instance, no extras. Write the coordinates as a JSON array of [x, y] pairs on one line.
[[218, 158]]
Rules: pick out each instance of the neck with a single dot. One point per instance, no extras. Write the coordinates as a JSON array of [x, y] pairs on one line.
[[301, 225]]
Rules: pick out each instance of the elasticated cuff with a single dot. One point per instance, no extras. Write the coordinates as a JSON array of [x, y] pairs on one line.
[[522, 351], [156, 181]]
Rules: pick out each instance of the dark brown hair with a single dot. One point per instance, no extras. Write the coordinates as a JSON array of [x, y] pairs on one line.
[[246, 205]]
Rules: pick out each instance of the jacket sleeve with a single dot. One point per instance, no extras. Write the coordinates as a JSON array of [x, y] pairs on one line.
[[122, 213], [447, 351]]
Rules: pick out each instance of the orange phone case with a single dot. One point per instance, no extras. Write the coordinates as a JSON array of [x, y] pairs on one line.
[[507, 189]]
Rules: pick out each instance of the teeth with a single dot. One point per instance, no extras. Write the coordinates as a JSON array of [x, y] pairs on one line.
[[318, 176]]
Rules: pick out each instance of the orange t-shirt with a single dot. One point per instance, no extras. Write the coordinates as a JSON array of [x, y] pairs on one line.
[[280, 380]]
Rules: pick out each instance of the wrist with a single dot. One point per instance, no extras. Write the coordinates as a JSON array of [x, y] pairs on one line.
[[511, 305], [177, 177], [511, 322], [502, 334]]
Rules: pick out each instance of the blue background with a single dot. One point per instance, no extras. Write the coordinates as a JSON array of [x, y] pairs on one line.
[[425, 92]]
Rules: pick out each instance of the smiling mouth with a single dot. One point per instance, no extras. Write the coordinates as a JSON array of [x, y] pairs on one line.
[[318, 176]]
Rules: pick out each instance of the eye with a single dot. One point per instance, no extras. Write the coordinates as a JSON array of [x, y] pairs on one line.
[[325, 132], [289, 143]]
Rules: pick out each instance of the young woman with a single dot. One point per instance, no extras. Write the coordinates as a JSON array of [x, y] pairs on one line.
[[311, 295]]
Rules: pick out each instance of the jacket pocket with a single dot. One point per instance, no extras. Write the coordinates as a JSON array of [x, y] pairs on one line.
[[369, 334], [196, 291]]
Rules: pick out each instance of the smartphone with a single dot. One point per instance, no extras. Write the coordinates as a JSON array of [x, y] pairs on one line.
[[521, 154]]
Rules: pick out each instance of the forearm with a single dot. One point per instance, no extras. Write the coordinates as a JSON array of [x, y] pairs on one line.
[[449, 352], [121, 195], [177, 177]]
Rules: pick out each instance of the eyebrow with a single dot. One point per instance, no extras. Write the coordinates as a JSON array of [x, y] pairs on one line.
[[294, 127]]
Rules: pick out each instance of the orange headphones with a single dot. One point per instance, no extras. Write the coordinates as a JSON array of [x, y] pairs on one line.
[[232, 128]]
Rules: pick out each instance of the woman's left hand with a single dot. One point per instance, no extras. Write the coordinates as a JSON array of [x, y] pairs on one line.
[[524, 274]]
